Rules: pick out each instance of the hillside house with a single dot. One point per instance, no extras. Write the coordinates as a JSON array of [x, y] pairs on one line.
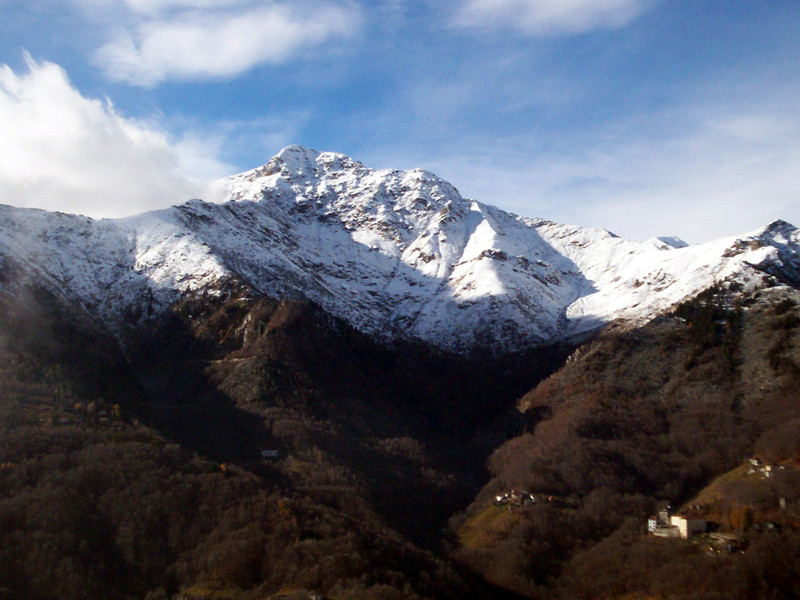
[[515, 498], [687, 526], [758, 466], [660, 526], [674, 526]]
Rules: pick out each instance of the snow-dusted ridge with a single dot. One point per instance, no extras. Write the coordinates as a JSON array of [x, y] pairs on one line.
[[395, 253]]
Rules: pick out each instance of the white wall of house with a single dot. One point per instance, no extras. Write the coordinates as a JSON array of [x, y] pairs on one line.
[[687, 527]]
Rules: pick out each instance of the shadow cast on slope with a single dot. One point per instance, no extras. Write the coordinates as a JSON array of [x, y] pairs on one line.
[[406, 429]]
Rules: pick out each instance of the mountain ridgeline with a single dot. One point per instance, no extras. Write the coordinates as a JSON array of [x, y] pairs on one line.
[[399, 255], [319, 387]]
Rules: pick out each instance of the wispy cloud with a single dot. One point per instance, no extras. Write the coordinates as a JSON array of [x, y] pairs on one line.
[[157, 6], [160, 40], [62, 151], [542, 17]]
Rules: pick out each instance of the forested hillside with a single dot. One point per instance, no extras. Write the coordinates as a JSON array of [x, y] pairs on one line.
[[250, 446], [641, 418], [247, 447]]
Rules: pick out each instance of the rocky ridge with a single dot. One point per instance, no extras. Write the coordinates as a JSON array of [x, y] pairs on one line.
[[397, 254]]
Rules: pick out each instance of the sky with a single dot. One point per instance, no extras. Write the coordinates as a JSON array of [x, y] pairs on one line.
[[644, 117]]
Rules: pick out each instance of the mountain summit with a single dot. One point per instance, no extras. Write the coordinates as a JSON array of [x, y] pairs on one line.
[[397, 254]]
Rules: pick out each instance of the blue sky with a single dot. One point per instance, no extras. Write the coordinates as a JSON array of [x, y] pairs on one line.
[[645, 117]]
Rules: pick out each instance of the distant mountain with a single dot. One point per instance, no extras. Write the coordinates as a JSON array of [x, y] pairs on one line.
[[396, 254]]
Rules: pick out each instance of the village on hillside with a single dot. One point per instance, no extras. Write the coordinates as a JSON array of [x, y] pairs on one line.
[[695, 523], [516, 498]]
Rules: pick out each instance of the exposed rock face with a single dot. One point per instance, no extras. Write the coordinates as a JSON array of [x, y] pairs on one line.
[[397, 254]]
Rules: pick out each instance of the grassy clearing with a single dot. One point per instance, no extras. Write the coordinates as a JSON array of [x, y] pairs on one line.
[[716, 490], [496, 522]]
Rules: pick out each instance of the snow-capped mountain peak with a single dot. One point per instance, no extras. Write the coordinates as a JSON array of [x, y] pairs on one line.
[[395, 253]]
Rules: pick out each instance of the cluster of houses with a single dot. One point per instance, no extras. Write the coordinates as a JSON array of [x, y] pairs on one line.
[[683, 527], [675, 526], [759, 467], [515, 498], [526, 498]]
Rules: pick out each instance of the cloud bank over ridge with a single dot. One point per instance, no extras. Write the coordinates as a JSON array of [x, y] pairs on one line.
[[62, 151]]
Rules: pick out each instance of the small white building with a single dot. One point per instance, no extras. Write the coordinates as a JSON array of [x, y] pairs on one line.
[[659, 521], [674, 526], [687, 527]]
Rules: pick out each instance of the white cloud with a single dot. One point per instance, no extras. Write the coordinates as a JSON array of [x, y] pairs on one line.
[[550, 16], [62, 151], [180, 39], [156, 6]]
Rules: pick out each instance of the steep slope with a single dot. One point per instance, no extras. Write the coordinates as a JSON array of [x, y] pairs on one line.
[[145, 478], [397, 254], [641, 417]]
